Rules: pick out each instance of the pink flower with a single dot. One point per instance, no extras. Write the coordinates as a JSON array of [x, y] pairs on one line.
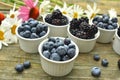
[[29, 10]]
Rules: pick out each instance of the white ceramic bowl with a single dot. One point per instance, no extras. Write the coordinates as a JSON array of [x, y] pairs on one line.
[[116, 43], [57, 31], [30, 45], [57, 68], [106, 36], [84, 45]]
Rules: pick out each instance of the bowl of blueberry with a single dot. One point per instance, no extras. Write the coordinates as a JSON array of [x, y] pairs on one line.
[[83, 34], [57, 55], [116, 41], [30, 33], [57, 22], [107, 27]]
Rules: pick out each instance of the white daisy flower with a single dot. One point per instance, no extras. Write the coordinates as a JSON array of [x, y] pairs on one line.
[[44, 7], [91, 12], [76, 12], [112, 13], [13, 14], [2, 38], [65, 9]]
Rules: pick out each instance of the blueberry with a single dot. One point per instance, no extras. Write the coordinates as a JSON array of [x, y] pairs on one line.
[[42, 33], [46, 46], [52, 39], [27, 64], [66, 47], [71, 46], [71, 52], [96, 57], [45, 27], [46, 54], [53, 50], [96, 72], [21, 34], [61, 50], [51, 45], [33, 30], [110, 22], [33, 23], [118, 63], [66, 57], [67, 41], [39, 28], [19, 68], [115, 25], [30, 19], [55, 56], [114, 20], [27, 34], [105, 16], [20, 28], [110, 27], [27, 27], [60, 43], [95, 18], [105, 19], [99, 19], [34, 35], [104, 62], [100, 24]]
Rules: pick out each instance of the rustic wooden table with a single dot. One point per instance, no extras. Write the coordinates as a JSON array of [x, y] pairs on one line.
[[10, 56]]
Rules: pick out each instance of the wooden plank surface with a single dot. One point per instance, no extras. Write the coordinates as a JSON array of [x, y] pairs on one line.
[[12, 55]]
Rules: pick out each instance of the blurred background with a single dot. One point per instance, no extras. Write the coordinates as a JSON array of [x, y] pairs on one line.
[[104, 5]]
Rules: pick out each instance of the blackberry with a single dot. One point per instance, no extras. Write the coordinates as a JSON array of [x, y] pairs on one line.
[[74, 23], [56, 14], [118, 32], [56, 22], [84, 19], [64, 20], [48, 18]]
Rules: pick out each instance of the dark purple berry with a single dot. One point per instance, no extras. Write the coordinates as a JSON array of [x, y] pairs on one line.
[[96, 72], [96, 57], [27, 64], [19, 68], [104, 62]]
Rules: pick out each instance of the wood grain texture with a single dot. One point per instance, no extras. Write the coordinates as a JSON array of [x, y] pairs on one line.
[[12, 55]]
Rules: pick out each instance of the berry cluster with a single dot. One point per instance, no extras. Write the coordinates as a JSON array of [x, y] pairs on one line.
[[58, 50], [32, 29], [56, 18], [118, 32], [105, 22], [20, 67], [81, 28]]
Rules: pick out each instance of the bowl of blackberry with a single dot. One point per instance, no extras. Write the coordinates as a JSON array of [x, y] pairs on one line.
[[57, 55], [30, 33], [83, 34], [116, 41], [57, 22], [107, 27]]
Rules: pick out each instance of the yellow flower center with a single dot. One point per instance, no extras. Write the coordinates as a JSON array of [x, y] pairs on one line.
[[1, 35], [13, 28], [64, 12], [75, 15], [12, 16], [93, 15]]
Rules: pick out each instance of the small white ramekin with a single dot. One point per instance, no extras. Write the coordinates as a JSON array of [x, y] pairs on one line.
[[116, 43], [30, 45], [57, 31], [84, 45], [57, 68], [106, 36]]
